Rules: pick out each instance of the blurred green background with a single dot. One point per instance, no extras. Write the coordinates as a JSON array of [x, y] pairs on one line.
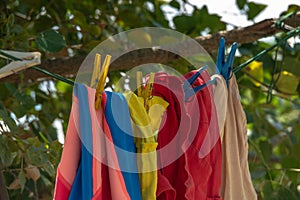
[[34, 113]]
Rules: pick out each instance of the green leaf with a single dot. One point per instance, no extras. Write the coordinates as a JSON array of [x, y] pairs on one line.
[[290, 162], [43, 23], [290, 64], [241, 3], [35, 127], [254, 9], [272, 190], [50, 41], [287, 82], [159, 16], [11, 20], [184, 23], [22, 178], [36, 152], [286, 194], [293, 175], [175, 4], [266, 149], [46, 181], [258, 174], [203, 20], [7, 157], [292, 7], [27, 101], [79, 18], [297, 130], [8, 120], [17, 29], [62, 86], [94, 30], [49, 169]]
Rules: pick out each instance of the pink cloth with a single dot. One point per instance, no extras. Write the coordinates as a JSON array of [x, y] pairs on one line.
[[108, 182]]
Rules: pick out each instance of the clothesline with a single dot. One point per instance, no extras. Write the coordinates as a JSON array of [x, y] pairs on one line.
[[279, 24], [260, 54]]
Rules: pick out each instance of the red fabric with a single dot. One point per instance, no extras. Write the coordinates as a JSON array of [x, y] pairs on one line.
[[171, 178], [192, 176], [164, 188], [62, 187], [207, 144]]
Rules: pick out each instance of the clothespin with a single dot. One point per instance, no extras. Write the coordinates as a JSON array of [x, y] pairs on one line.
[[139, 82], [193, 78], [148, 91], [225, 67], [102, 78], [189, 90], [25, 60], [96, 71]]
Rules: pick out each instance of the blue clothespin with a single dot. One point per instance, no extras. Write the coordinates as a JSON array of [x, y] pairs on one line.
[[192, 79], [187, 85], [225, 67]]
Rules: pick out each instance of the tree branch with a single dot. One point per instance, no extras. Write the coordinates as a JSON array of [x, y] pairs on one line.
[[69, 66]]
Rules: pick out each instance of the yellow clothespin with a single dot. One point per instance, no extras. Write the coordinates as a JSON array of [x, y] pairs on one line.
[[101, 82], [139, 82], [148, 92], [96, 70]]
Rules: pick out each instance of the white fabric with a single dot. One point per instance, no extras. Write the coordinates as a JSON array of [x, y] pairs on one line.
[[220, 98], [236, 179]]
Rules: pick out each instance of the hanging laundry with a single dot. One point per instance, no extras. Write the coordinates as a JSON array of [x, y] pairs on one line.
[[188, 129], [118, 118], [220, 95], [145, 144], [190, 176], [70, 158], [172, 174], [236, 179], [157, 109], [81, 173], [205, 151]]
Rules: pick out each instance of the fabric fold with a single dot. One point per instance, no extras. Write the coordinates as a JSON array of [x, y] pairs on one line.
[[145, 142], [118, 118], [236, 178]]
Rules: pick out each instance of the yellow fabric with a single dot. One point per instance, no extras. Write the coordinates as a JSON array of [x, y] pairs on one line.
[[145, 143], [144, 139], [157, 107]]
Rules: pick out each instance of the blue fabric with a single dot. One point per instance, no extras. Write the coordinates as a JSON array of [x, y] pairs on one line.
[[118, 119], [76, 191], [82, 187]]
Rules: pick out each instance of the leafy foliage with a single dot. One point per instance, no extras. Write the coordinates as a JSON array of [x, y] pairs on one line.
[[50, 41], [29, 146]]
